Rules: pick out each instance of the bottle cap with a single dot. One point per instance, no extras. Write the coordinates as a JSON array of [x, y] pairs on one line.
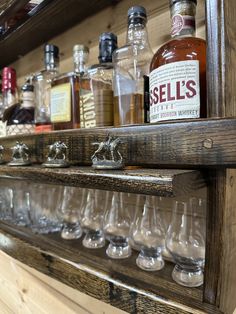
[[51, 54], [27, 88], [137, 11], [8, 79], [78, 48], [172, 2], [107, 44]]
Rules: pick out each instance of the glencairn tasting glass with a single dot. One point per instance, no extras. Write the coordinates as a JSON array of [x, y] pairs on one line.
[[147, 234], [70, 209], [178, 69], [117, 228], [131, 64], [92, 219], [185, 241]]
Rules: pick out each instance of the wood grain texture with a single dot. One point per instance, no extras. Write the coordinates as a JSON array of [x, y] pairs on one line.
[[167, 183], [172, 144], [220, 17], [9, 7], [119, 283], [46, 23], [26, 291]]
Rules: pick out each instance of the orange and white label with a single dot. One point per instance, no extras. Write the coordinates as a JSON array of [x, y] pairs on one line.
[[175, 91]]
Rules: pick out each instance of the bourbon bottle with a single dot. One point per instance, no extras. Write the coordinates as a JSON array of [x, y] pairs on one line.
[[131, 64], [42, 84], [178, 69], [65, 99]]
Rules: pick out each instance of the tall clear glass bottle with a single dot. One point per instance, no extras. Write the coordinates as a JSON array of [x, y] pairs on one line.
[[131, 64], [42, 83], [100, 111], [178, 69], [65, 104], [9, 94]]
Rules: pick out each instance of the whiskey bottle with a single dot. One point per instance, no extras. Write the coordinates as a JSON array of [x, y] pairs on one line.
[[100, 111], [178, 69], [20, 116], [9, 95], [42, 84], [131, 63], [65, 104]]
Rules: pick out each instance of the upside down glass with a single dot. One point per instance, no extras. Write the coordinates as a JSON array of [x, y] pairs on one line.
[[186, 242], [147, 234]]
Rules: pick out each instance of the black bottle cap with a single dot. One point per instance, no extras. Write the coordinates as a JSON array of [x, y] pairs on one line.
[[172, 2], [27, 88], [107, 44], [137, 11]]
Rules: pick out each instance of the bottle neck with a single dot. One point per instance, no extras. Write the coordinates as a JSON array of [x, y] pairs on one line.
[[183, 19], [10, 97], [27, 100], [137, 33], [52, 67]]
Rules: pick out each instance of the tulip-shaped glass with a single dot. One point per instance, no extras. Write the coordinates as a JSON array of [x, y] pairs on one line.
[[186, 242], [147, 234]]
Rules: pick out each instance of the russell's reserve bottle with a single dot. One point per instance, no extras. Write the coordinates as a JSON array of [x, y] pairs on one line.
[[131, 64], [20, 116], [42, 83], [9, 95], [100, 111], [65, 105], [178, 69]]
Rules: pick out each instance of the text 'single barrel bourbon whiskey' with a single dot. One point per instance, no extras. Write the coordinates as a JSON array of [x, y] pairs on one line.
[[101, 77], [42, 83], [131, 64], [65, 99], [178, 69]]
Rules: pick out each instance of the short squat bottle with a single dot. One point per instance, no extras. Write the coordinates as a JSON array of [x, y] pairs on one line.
[[20, 116], [65, 107], [42, 83], [97, 110], [178, 69], [131, 64]]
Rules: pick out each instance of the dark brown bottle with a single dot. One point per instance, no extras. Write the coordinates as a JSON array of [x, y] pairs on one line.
[[178, 69]]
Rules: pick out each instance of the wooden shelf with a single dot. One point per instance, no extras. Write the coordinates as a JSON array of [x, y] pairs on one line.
[[179, 144], [47, 21], [141, 181], [118, 282]]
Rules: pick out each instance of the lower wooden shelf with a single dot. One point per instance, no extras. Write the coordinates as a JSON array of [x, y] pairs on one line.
[[117, 282]]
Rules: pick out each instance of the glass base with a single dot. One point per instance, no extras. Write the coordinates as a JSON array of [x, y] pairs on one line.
[[118, 248], [45, 226], [94, 239], [186, 277], [150, 260], [71, 231], [21, 220]]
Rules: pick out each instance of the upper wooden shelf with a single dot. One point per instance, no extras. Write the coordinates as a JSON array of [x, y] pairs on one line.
[[180, 144], [43, 23]]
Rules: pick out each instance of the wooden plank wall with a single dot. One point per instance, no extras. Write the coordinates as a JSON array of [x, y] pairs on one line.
[[111, 19], [25, 290]]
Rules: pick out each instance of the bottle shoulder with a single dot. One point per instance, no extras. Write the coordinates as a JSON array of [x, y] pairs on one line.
[[180, 49]]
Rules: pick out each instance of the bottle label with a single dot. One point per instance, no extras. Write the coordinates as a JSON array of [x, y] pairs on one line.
[[61, 103], [182, 22], [43, 128], [87, 109], [175, 91], [16, 129], [3, 128]]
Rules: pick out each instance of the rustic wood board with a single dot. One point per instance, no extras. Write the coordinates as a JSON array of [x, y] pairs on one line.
[[167, 182], [204, 142], [119, 283], [48, 22]]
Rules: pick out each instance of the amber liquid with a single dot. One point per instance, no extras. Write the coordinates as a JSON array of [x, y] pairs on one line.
[[182, 49], [74, 122], [132, 112]]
